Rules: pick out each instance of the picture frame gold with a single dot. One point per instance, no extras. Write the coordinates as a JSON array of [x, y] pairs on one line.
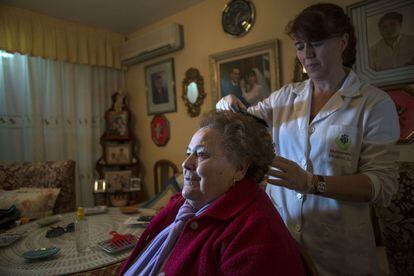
[[263, 56]]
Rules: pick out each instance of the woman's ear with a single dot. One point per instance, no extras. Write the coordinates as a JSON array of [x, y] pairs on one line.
[[344, 41], [241, 171]]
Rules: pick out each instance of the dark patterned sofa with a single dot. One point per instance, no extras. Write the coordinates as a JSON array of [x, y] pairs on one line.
[[50, 174], [396, 223]]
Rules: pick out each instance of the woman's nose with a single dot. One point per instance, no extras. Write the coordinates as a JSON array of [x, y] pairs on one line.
[[190, 163], [309, 51]]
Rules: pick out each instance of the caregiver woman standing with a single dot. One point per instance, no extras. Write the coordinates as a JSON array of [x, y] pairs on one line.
[[335, 141]]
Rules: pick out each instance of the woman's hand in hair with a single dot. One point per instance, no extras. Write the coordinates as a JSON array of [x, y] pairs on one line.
[[230, 102]]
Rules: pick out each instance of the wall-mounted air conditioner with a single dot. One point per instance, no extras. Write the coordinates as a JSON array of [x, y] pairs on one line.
[[163, 40]]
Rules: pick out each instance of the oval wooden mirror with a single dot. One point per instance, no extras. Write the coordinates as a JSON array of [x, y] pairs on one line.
[[193, 91]]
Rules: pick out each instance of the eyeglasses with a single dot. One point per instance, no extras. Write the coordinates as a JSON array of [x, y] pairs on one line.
[[59, 230]]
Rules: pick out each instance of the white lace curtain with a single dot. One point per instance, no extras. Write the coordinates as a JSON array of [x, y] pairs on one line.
[[54, 110]]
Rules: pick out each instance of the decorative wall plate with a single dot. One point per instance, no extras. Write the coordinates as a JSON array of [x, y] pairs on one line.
[[238, 17], [404, 102], [160, 130]]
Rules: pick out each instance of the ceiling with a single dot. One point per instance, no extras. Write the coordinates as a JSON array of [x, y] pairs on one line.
[[121, 16]]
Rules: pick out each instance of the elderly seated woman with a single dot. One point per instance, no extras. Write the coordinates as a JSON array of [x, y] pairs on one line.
[[222, 222]]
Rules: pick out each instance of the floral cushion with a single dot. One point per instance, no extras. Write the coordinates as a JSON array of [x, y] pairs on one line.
[[397, 223], [32, 203], [50, 174]]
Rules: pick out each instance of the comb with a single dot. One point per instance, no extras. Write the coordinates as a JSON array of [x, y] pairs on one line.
[[119, 240]]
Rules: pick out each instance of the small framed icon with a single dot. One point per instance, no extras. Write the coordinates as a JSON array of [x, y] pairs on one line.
[[135, 184], [118, 153], [99, 186], [117, 180]]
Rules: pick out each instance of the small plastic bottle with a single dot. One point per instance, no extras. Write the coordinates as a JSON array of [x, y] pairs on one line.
[[81, 231]]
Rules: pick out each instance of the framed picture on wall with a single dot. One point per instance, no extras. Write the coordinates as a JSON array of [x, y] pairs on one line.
[[250, 73], [385, 35], [160, 84]]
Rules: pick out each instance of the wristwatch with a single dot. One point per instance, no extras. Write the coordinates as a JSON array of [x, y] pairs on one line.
[[320, 186]]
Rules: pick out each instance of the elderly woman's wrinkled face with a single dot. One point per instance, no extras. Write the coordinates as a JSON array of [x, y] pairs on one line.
[[207, 171]]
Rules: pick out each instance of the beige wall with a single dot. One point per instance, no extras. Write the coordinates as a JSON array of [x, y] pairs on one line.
[[204, 36]]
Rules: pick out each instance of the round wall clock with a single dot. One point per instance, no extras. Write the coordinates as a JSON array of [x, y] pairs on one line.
[[238, 17]]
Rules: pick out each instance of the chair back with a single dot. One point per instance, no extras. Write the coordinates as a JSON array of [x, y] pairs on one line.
[[163, 171], [395, 224]]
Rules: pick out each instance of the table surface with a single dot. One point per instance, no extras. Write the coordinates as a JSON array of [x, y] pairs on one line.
[[68, 260]]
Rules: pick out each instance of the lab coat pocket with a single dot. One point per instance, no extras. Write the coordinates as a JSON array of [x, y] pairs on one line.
[[343, 145], [338, 241]]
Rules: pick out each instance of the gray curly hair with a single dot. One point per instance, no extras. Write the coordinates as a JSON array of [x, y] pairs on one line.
[[245, 138]]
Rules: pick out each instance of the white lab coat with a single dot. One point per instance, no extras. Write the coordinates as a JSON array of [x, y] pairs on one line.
[[355, 132]]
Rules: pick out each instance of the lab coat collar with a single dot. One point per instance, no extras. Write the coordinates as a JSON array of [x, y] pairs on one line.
[[350, 88]]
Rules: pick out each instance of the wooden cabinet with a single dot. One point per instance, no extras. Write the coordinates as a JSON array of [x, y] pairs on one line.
[[119, 165]]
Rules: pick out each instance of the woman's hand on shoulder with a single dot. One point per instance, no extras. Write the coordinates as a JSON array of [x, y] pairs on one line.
[[230, 102]]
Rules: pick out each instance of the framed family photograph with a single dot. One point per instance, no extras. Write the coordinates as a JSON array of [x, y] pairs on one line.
[[116, 153], [117, 180], [250, 73], [385, 39], [160, 83]]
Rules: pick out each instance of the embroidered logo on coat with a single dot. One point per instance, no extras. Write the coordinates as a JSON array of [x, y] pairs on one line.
[[343, 141]]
